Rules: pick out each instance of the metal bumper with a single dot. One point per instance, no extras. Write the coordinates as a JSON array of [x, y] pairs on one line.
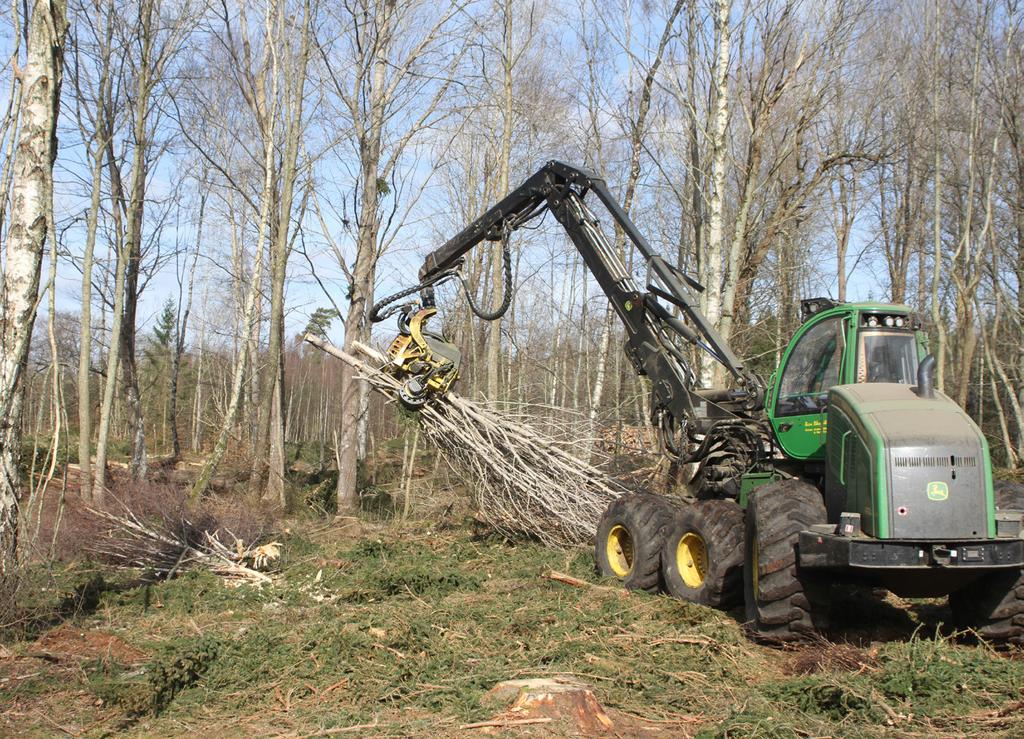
[[832, 551]]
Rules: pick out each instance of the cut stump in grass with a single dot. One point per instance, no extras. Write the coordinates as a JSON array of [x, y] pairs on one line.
[[563, 702], [564, 706]]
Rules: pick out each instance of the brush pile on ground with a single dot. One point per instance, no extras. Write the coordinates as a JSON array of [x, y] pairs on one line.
[[525, 482], [178, 540]]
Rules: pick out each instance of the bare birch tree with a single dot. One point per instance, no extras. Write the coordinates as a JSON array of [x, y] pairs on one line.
[[31, 210], [714, 255]]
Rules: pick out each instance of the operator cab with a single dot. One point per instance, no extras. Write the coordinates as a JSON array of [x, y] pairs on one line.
[[887, 350], [838, 344]]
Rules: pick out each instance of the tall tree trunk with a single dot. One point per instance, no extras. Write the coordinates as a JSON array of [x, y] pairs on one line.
[[937, 325], [693, 182], [85, 336], [31, 208], [127, 214], [638, 127], [603, 346], [181, 330], [134, 212], [197, 407], [126, 337], [845, 223], [504, 165], [110, 380], [294, 88], [122, 249], [713, 263], [368, 225]]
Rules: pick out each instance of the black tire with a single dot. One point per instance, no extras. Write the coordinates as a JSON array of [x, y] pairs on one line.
[[630, 538], [1009, 495], [994, 605], [782, 604], [702, 559]]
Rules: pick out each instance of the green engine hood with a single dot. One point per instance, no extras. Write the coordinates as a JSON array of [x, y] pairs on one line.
[[914, 468]]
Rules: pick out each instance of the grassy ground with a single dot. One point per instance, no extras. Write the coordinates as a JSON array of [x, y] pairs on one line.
[[402, 632]]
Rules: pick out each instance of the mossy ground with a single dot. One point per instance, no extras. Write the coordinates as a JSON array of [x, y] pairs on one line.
[[403, 630]]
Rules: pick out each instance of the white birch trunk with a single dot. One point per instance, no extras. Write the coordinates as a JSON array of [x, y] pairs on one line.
[[713, 262], [31, 202]]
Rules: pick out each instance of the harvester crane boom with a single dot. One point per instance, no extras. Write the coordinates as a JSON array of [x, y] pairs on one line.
[[656, 336]]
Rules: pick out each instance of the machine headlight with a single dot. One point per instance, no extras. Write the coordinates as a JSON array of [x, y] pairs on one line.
[[872, 322], [890, 321], [900, 322]]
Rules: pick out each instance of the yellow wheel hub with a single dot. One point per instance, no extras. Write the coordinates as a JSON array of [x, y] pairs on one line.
[[692, 559], [619, 548]]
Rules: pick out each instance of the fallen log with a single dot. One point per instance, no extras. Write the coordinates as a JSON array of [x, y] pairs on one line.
[[525, 483], [578, 583]]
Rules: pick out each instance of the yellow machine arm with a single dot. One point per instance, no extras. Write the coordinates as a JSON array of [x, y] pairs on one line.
[[423, 360]]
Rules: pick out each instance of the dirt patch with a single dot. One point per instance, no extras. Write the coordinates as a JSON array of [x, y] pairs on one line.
[[32, 707], [44, 688], [69, 643], [828, 657]]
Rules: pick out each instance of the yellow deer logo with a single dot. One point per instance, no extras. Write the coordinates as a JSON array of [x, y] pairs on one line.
[[938, 491]]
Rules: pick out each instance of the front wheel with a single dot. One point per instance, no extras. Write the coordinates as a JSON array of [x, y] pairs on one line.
[[702, 560], [629, 540], [782, 603], [1009, 495], [994, 605]]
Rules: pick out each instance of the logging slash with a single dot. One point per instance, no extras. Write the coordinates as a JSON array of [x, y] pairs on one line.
[[525, 483]]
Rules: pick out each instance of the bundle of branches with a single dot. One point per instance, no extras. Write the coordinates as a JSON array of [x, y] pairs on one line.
[[168, 545], [525, 482]]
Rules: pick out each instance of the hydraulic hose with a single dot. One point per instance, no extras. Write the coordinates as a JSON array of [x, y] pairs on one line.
[[506, 300]]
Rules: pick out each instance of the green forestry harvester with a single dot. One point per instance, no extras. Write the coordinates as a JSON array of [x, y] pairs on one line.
[[847, 466]]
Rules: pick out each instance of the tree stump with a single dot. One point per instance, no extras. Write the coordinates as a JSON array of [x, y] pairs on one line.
[[566, 704]]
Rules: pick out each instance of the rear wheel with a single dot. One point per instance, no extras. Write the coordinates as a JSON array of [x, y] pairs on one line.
[[994, 605], [702, 560], [782, 603], [630, 538]]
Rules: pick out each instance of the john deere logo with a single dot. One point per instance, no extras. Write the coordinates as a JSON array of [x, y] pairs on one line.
[[938, 491]]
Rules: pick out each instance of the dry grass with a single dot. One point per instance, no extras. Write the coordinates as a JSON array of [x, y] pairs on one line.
[[404, 631]]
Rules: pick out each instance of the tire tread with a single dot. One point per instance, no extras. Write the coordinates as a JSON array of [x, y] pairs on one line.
[[783, 608], [647, 517]]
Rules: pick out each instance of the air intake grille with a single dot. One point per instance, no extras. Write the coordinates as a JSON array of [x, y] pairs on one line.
[[950, 461]]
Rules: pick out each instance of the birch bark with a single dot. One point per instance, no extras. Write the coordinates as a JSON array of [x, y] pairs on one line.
[[713, 274], [30, 206]]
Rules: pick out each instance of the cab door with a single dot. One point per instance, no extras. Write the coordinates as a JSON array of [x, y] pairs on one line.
[[811, 366]]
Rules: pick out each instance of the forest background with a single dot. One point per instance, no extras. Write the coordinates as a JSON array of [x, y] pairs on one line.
[[230, 175]]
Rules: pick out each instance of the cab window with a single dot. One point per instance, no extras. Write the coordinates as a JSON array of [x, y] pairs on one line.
[[887, 356], [812, 369]]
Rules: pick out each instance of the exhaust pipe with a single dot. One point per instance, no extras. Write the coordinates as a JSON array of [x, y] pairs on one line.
[[926, 377]]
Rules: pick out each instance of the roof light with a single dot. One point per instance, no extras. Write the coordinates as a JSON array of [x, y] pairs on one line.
[[872, 322], [890, 321]]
